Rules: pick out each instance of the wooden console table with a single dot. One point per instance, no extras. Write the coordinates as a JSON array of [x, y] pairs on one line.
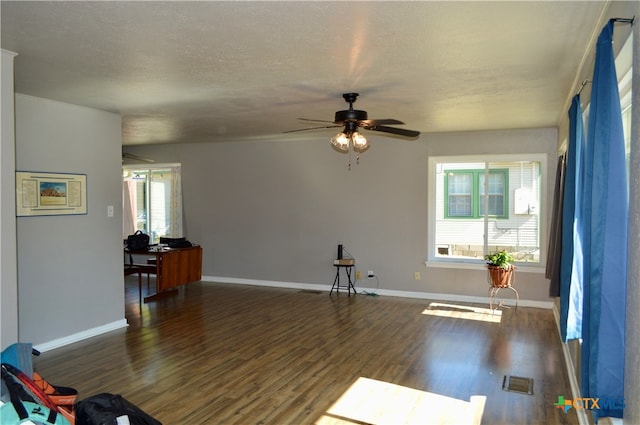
[[174, 267]]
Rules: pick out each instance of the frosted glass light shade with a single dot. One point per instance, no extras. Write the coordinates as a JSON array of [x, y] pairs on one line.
[[360, 143], [340, 142]]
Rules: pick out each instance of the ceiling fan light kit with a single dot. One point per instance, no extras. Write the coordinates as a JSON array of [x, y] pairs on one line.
[[352, 120], [342, 141], [360, 143]]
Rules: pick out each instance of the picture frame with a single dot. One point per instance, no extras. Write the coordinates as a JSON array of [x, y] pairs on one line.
[[43, 193]]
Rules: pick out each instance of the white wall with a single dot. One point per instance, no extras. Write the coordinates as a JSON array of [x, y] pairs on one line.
[[70, 267], [276, 211], [8, 267]]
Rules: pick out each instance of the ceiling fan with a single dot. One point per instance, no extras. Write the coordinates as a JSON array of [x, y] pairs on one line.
[[127, 155], [353, 119]]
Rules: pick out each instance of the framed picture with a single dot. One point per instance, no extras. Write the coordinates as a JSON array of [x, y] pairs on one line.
[[50, 193]]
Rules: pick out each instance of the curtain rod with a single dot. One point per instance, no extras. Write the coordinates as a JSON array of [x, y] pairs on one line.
[[620, 20], [584, 83], [624, 20]]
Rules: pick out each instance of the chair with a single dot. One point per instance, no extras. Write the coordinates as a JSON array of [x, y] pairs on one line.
[[133, 268]]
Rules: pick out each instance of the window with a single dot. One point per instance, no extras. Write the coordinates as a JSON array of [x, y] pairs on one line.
[[479, 205], [625, 105], [465, 193], [497, 194], [460, 194], [624, 69], [152, 201]]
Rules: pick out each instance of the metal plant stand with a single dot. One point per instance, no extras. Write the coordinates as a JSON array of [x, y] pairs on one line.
[[493, 291]]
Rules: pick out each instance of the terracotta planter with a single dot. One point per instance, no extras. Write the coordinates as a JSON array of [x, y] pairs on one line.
[[500, 278]]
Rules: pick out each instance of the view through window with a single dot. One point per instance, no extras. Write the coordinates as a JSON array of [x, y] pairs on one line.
[[480, 205], [152, 201]]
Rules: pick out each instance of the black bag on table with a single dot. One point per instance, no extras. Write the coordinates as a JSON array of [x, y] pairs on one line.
[[138, 241], [175, 242], [110, 409]]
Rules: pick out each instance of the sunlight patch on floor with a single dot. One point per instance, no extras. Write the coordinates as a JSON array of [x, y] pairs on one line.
[[463, 312], [376, 402]]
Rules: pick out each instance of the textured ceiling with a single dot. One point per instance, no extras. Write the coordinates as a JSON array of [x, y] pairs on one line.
[[220, 71]]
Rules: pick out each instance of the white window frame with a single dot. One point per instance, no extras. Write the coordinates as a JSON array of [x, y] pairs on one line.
[[625, 73], [178, 232], [476, 264]]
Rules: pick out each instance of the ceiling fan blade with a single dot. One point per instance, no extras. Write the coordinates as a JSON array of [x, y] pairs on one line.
[[387, 121], [309, 119], [137, 158], [312, 128], [392, 130]]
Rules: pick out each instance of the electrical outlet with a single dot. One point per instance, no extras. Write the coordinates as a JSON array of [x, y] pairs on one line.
[[370, 274], [416, 275], [358, 274]]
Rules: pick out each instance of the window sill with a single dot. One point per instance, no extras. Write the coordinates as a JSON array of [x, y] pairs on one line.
[[479, 266]]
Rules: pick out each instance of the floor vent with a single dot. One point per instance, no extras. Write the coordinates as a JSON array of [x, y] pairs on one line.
[[310, 291], [518, 384]]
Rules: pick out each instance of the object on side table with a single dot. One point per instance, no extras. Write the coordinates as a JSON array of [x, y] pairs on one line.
[[138, 241]]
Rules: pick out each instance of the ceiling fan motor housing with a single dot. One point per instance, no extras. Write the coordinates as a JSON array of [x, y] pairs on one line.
[[350, 115]]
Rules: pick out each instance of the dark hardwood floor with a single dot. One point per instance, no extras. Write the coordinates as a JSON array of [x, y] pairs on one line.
[[231, 354]]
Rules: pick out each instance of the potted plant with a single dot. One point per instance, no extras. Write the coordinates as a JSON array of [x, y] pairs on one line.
[[501, 268]]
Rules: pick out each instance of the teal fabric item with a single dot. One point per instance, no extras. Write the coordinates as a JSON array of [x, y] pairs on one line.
[[35, 413], [571, 264], [605, 207], [19, 355]]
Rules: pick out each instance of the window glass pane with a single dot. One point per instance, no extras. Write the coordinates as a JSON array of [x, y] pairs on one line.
[[159, 203], [496, 194], [140, 180], [460, 194], [460, 184], [626, 128], [154, 201], [460, 205], [513, 204]]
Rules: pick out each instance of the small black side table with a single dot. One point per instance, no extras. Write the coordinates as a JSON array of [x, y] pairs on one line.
[[336, 282]]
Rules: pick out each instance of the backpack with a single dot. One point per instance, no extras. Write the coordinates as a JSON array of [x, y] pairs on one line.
[[110, 409], [24, 401], [19, 356]]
